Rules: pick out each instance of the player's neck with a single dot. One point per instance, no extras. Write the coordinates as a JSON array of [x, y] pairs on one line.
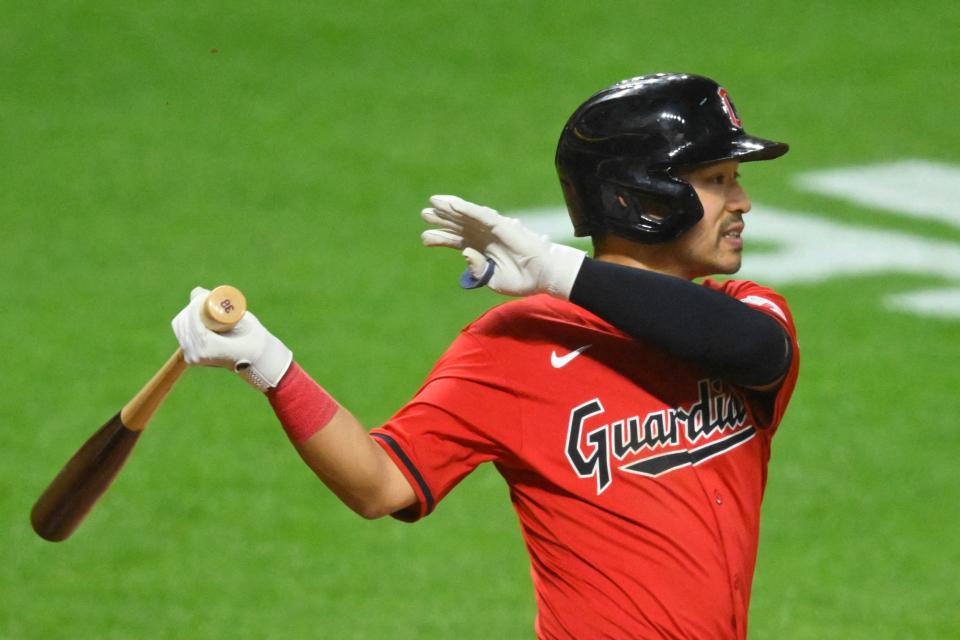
[[661, 258]]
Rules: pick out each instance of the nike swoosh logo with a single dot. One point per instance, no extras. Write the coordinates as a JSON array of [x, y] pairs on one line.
[[559, 362]]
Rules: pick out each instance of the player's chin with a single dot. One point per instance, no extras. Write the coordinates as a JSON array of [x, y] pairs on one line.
[[730, 264], [717, 261]]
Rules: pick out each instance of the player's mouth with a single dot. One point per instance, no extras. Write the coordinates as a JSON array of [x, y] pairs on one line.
[[731, 236]]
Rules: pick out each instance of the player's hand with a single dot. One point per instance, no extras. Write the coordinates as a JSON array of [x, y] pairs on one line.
[[501, 252], [248, 348]]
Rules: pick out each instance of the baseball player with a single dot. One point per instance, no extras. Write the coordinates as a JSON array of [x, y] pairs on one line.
[[629, 409]]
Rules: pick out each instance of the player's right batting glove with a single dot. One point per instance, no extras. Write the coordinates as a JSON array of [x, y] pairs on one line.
[[249, 349], [500, 252]]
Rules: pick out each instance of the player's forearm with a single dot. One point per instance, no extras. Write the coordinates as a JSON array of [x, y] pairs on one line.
[[333, 443], [355, 468], [727, 337]]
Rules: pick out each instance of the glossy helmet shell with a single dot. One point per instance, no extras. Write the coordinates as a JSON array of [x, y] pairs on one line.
[[619, 154]]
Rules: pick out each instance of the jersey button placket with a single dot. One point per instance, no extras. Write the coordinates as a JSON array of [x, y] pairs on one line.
[[717, 498]]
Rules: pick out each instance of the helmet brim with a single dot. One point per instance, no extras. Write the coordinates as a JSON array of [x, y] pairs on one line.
[[742, 148], [747, 148]]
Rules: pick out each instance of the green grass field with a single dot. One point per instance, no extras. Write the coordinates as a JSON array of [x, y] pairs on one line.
[[287, 148]]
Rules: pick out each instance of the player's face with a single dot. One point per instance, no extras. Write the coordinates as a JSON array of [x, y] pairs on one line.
[[714, 244]]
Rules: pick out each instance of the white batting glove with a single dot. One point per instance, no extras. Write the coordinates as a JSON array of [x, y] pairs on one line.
[[248, 348], [501, 253]]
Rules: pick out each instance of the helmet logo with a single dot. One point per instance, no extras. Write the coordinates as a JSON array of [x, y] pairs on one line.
[[728, 107]]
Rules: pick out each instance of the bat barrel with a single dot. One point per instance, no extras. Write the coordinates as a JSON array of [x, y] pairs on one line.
[[82, 481]]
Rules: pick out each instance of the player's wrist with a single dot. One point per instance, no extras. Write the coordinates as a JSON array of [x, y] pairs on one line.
[[302, 406], [269, 367], [561, 266]]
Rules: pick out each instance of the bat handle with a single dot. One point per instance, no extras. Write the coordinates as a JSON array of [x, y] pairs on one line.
[[221, 311]]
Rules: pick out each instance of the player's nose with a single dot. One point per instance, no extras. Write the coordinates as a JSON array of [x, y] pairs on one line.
[[737, 199]]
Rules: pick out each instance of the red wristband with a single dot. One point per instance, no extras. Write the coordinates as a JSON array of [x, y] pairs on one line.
[[301, 404]]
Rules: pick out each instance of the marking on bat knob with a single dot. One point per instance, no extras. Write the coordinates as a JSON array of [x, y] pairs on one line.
[[227, 306]]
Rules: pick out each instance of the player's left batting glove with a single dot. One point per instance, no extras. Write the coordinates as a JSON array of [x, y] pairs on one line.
[[249, 349], [501, 253]]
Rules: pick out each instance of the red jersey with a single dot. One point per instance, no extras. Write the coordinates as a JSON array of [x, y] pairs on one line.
[[636, 476]]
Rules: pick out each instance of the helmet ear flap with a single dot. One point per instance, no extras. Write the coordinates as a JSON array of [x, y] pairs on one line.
[[647, 207], [620, 204]]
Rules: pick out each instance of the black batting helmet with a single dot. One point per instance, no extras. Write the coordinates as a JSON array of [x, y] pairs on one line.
[[619, 152]]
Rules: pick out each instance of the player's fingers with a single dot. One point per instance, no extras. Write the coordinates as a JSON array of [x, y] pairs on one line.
[[471, 220], [484, 215], [198, 291], [441, 238], [445, 202], [446, 207], [434, 217], [189, 332]]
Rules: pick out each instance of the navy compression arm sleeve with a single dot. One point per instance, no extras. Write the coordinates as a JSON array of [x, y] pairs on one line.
[[729, 338]]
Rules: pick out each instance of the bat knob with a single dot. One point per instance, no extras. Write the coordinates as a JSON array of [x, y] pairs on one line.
[[223, 308]]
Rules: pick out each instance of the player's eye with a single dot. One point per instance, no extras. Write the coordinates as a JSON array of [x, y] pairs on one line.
[[723, 178]]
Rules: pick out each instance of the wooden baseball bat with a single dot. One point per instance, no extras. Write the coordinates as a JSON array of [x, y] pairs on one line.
[[91, 470]]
